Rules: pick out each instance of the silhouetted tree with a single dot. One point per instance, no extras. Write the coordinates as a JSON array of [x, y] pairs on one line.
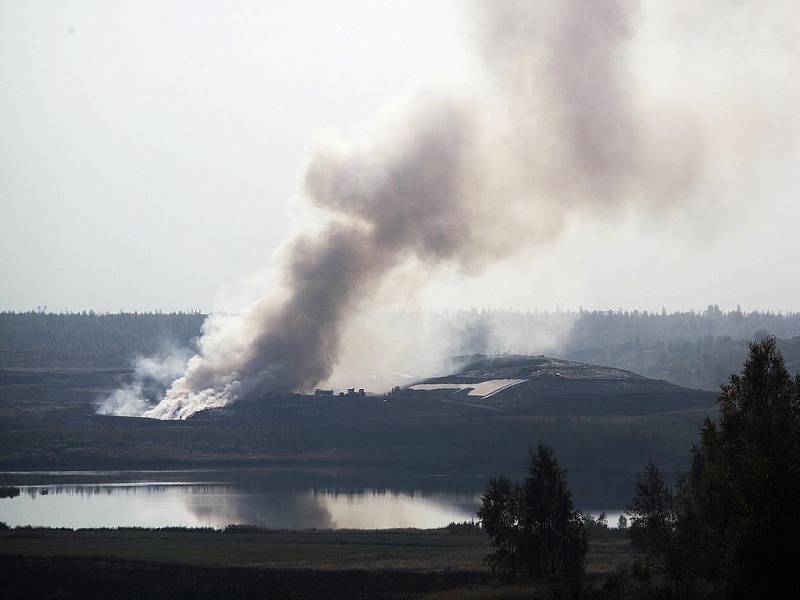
[[534, 528], [656, 526], [732, 519], [745, 481], [500, 517]]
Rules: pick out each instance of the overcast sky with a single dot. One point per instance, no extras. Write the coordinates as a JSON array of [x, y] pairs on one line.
[[150, 151]]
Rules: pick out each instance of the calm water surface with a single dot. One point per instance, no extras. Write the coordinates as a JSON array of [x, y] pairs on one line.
[[218, 498]]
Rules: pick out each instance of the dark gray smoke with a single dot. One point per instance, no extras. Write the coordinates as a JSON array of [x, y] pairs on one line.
[[449, 181]]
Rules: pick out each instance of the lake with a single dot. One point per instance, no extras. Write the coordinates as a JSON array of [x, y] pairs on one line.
[[280, 499]]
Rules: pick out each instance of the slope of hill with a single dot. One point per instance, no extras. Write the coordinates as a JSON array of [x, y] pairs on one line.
[[551, 386]]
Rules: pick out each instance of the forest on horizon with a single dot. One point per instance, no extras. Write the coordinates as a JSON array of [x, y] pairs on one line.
[[696, 349]]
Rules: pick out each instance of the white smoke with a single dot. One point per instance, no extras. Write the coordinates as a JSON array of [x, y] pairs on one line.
[[127, 401], [151, 374]]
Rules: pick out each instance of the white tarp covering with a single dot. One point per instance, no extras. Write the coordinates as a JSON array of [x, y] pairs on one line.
[[484, 389]]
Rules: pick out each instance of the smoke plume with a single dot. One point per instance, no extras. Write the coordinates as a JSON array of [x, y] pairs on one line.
[[151, 375], [454, 180]]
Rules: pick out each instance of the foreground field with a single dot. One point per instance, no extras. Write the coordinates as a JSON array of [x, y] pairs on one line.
[[260, 564]]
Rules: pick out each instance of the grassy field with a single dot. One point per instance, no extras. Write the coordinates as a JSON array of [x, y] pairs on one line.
[[260, 564]]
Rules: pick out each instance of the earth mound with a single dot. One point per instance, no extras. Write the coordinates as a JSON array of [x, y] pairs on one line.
[[545, 385]]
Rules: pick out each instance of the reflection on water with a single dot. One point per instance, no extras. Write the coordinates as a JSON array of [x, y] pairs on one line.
[[216, 504], [217, 498]]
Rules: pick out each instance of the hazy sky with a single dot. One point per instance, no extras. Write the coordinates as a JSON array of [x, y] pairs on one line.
[[150, 151]]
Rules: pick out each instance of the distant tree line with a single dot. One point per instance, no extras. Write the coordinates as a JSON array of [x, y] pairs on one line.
[[90, 331], [91, 339], [694, 349], [701, 363], [697, 349]]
